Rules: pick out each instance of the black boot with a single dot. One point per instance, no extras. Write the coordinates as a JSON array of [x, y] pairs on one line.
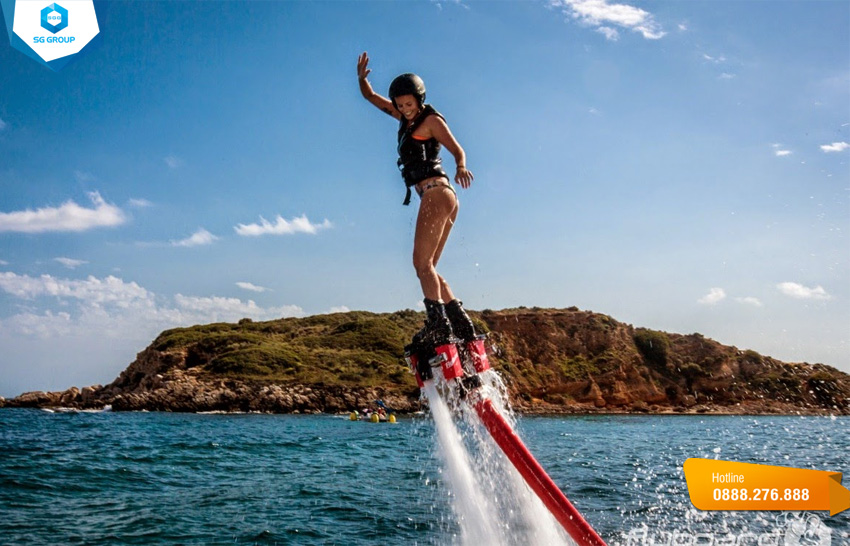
[[437, 330], [461, 323]]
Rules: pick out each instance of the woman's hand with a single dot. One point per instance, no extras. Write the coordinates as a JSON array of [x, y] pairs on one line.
[[382, 103], [463, 177], [362, 62]]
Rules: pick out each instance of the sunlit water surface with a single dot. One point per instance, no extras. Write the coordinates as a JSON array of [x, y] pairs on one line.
[[163, 478]]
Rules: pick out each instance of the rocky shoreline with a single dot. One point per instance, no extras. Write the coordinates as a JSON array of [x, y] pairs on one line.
[[181, 391], [192, 397], [555, 362]]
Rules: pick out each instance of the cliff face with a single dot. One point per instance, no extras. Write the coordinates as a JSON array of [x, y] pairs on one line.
[[582, 360], [553, 361]]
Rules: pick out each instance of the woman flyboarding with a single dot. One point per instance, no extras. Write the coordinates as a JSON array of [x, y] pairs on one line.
[[421, 132]]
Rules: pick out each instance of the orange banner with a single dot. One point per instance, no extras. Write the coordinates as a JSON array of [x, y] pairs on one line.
[[729, 485]]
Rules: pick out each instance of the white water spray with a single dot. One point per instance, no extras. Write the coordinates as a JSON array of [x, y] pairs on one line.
[[493, 504], [468, 503]]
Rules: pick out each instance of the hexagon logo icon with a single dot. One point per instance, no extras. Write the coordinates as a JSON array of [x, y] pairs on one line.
[[54, 18], [44, 31]]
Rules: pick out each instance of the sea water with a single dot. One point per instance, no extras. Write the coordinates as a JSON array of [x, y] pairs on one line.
[[164, 478]]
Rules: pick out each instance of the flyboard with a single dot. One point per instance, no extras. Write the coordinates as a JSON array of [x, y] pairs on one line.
[[456, 366]]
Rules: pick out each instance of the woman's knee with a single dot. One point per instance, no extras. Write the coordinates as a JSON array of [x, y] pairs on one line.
[[423, 267]]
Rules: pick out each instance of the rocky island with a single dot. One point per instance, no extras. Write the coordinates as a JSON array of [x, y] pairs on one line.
[[553, 361]]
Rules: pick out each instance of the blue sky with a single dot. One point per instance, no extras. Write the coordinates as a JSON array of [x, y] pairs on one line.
[[678, 165]]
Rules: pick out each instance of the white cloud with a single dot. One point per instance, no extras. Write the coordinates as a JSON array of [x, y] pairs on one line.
[[110, 306], [593, 110], [610, 33], [726, 76], [139, 203], [173, 162], [750, 300], [3, 125], [779, 151], [46, 325], [70, 263], [281, 227], [199, 238], [63, 332], [796, 290], [67, 217], [338, 309], [4, 262], [81, 176], [251, 287], [600, 15], [715, 60], [714, 296], [110, 290], [683, 27], [217, 309], [835, 147], [439, 4]]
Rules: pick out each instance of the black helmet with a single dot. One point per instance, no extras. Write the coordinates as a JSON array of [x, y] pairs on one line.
[[408, 84]]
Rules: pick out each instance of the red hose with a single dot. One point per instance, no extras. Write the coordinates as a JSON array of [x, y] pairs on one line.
[[535, 476]]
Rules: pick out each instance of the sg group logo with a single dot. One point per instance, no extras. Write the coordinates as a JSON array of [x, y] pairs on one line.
[[52, 33], [54, 18]]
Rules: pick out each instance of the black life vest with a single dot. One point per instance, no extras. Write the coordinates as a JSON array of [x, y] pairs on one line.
[[418, 159]]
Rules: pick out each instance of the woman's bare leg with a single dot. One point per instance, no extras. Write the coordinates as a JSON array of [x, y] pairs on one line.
[[437, 214], [446, 293]]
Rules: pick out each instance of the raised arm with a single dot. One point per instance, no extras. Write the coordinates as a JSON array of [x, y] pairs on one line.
[[382, 103], [439, 129]]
